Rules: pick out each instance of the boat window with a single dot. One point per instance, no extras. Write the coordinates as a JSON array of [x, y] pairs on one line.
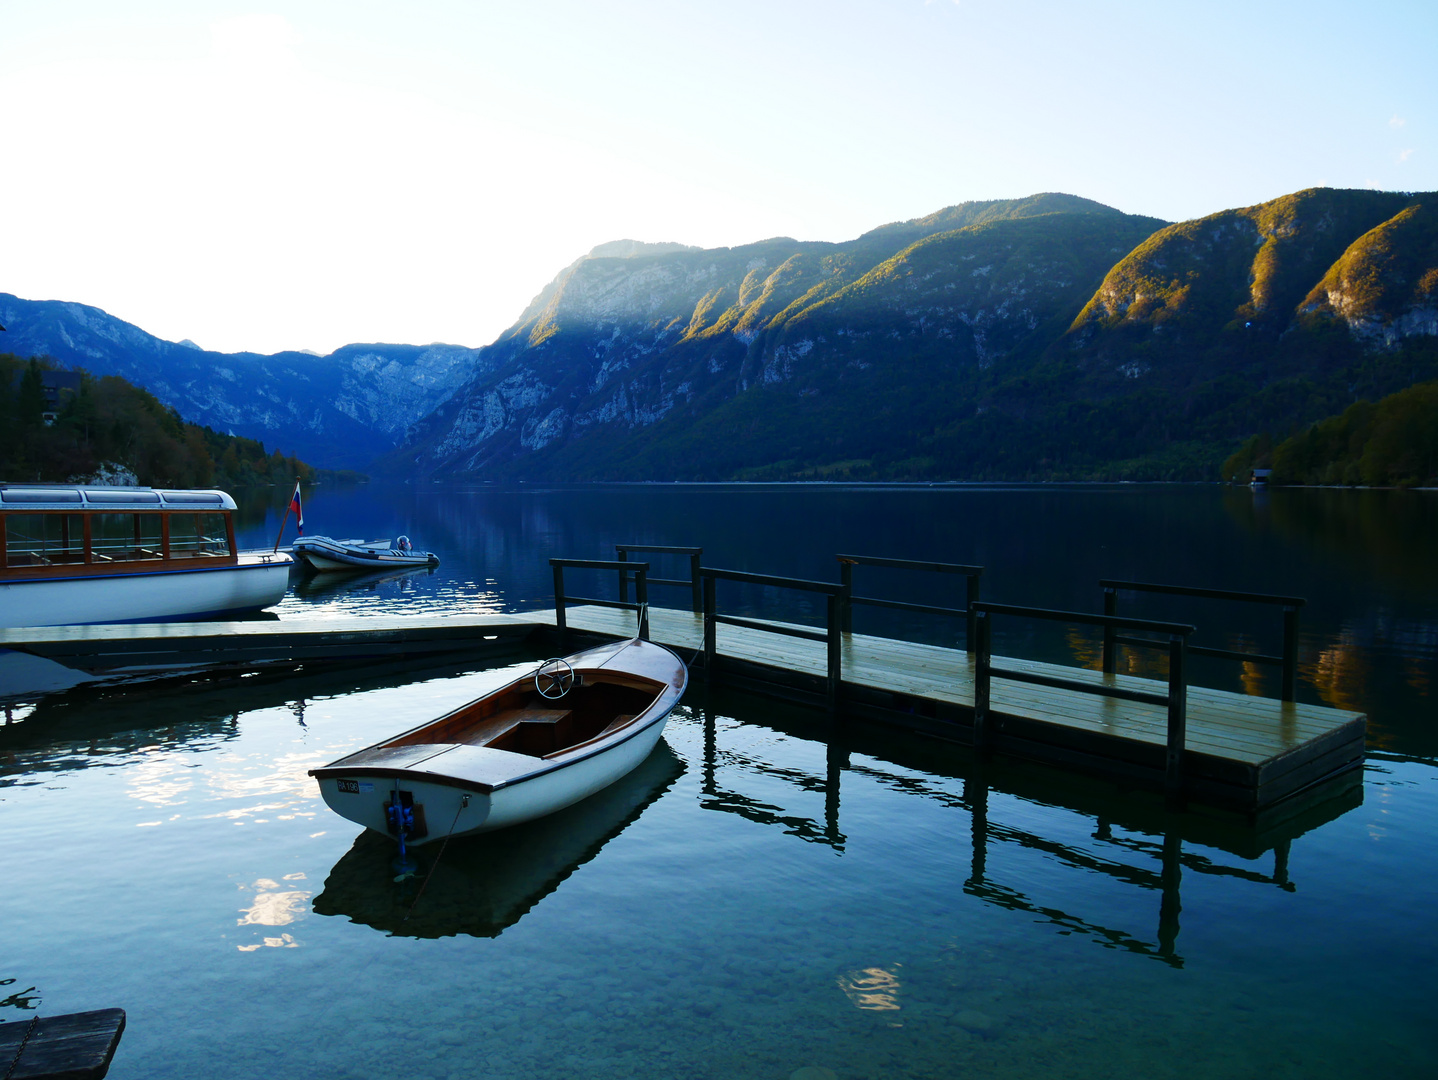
[[197, 535], [124, 537], [40, 495], [122, 495], [44, 539]]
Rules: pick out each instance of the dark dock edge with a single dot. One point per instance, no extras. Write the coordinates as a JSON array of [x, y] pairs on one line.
[[75, 1046]]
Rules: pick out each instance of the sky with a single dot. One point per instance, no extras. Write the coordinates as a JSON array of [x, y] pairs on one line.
[[305, 175]]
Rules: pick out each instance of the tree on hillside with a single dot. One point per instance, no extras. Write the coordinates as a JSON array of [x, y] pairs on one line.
[[109, 420]]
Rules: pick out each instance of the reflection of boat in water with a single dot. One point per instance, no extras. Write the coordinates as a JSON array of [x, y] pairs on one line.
[[525, 750], [484, 884], [318, 586], [323, 553]]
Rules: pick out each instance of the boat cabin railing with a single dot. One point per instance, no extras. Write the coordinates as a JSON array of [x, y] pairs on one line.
[[1288, 660], [831, 635], [972, 573], [622, 552], [1175, 701], [639, 570]]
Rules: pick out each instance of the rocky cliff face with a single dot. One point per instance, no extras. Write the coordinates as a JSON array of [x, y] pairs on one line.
[[700, 363], [334, 411], [1384, 288], [1241, 280]]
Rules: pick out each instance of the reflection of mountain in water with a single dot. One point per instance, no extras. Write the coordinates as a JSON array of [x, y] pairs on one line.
[[1386, 533], [485, 884]]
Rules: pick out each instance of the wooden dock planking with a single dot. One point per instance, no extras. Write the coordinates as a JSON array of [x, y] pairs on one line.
[[76, 1046], [1241, 750]]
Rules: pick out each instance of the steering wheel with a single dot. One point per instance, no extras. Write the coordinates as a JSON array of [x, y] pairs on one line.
[[554, 679]]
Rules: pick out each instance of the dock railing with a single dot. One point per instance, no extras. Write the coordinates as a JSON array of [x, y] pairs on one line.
[[846, 577], [641, 591], [1288, 661], [1175, 701], [696, 601], [831, 635]]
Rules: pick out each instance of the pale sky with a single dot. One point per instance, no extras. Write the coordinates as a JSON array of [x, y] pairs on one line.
[[303, 175]]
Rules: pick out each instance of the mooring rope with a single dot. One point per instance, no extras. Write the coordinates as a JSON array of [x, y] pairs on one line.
[[433, 866], [29, 1029]]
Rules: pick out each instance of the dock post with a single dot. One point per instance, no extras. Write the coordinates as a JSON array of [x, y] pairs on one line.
[[1177, 720], [697, 604], [559, 623], [1280, 865], [641, 597], [1290, 652], [835, 643], [710, 645], [971, 597], [846, 579], [981, 680], [976, 795], [1110, 646], [1170, 876], [836, 760], [622, 556]]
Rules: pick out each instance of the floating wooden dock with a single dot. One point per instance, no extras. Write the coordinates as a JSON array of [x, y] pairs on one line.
[[1244, 752], [1207, 746]]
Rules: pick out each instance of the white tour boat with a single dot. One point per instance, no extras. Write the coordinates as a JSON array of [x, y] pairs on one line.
[[74, 555], [539, 744], [322, 553]]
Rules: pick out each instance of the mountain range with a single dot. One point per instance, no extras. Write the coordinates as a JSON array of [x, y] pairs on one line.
[[337, 411], [1049, 337]]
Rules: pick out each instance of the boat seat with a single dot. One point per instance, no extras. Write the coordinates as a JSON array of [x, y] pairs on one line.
[[501, 723], [617, 723]]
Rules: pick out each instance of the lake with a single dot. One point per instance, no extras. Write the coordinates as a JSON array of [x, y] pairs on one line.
[[761, 897]]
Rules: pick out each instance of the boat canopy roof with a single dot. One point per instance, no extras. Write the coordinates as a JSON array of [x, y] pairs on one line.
[[71, 497]]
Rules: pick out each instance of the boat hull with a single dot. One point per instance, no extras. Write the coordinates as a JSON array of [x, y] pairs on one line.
[[460, 788], [258, 581], [451, 810], [322, 553]]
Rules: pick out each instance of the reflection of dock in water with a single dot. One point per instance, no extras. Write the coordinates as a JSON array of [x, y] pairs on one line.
[[486, 883], [1135, 842], [88, 725]]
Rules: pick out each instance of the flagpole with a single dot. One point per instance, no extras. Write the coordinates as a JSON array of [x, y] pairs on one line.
[[286, 519]]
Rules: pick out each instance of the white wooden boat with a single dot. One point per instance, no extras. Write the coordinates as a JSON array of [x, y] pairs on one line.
[[322, 553], [486, 884], [537, 745], [72, 555]]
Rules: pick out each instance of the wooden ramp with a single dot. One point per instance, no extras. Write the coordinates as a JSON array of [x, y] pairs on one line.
[[1241, 752], [119, 646]]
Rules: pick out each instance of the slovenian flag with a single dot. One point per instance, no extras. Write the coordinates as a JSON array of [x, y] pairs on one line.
[[295, 506]]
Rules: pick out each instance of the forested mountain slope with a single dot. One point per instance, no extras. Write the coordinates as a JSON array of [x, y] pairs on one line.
[[776, 356], [1041, 338]]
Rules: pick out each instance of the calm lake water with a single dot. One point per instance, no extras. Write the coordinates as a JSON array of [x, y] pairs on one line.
[[758, 898]]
